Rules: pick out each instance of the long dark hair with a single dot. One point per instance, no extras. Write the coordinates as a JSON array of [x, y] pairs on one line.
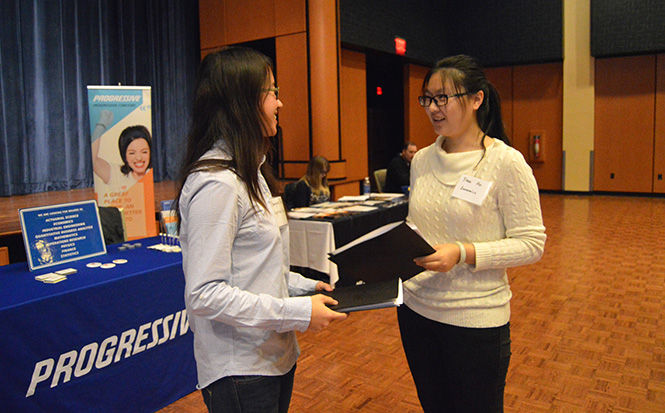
[[227, 107], [467, 75], [127, 136]]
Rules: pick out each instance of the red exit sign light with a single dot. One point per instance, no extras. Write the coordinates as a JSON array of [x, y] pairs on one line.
[[400, 46]]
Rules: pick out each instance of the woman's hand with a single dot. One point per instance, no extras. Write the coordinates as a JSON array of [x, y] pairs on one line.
[[321, 314], [321, 286], [443, 260]]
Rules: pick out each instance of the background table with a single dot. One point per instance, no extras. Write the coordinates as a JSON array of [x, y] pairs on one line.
[[309, 244], [311, 239], [71, 326]]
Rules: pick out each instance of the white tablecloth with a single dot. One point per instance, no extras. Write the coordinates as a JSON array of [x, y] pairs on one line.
[[309, 245]]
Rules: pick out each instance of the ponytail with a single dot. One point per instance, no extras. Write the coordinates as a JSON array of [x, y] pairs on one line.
[[489, 115]]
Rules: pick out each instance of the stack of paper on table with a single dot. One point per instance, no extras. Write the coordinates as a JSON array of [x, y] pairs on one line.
[[354, 198]]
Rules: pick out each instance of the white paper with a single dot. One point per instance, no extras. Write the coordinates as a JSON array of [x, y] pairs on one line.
[[472, 189], [301, 214], [359, 208], [369, 235], [354, 198], [278, 210]]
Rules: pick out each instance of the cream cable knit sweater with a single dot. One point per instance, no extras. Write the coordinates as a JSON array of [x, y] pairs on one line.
[[506, 230]]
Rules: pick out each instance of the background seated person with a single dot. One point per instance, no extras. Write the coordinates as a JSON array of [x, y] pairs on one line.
[[311, 188], [398, 174]]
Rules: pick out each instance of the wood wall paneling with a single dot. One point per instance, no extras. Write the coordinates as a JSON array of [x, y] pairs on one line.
[[502, 79], [249, 20], [659, 136], [624, 124], [337, 169], [348, 188], [236, 21], [295, 170], [417, 126], [290, 16], [324, 72], [211, 24], [353, 114], [4, 255], [538, 105], [291, 59]]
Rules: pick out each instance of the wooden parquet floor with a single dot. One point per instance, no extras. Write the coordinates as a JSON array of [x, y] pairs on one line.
[[588, 325]]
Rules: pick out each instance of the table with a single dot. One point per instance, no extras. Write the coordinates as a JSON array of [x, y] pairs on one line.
[[311, 239], [309, 244], [103, 340]]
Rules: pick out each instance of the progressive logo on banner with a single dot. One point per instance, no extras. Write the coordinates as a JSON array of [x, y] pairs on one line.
[[121, 135], [61, 368]]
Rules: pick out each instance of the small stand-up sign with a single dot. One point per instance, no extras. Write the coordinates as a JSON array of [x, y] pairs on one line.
[[56, 234]]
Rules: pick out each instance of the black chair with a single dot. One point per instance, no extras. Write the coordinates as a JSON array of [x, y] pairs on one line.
[[289, 195], [113, 225]]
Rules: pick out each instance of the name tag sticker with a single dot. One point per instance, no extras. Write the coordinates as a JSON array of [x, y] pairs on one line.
[[472, 189], [278, 210]]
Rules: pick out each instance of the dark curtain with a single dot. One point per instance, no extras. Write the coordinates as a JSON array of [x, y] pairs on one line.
[[50, 50]]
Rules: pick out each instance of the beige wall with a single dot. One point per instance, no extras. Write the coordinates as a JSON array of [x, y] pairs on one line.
[[578, 96]]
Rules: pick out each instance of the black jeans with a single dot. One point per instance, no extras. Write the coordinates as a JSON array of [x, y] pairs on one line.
[[250, 394], [455, 369]]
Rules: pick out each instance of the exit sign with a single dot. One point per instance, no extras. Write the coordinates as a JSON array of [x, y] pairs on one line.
[[400, 46]]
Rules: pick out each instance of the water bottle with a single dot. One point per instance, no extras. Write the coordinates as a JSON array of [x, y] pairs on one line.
[[366, 187]]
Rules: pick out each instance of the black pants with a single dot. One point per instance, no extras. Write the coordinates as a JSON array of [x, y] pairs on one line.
[[250, 394], [456, 369]]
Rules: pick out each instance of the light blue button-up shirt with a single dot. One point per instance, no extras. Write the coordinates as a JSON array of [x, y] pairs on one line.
[[237, 279]]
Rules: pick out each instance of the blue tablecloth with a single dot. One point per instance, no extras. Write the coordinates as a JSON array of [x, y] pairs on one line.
[[111, 340]]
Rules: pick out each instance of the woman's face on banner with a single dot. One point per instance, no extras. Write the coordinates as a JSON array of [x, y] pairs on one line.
[[138, 156]]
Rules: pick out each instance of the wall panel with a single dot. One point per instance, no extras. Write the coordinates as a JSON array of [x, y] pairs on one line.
[[211, 24], [624, 124], [659, 139], [353, 113], [343, 189], [417, 126], [538, 106], [249, 20], [290, 16], [291, 56]]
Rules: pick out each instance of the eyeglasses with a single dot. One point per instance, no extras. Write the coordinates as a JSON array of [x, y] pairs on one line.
[[439, 100], [275, 90]]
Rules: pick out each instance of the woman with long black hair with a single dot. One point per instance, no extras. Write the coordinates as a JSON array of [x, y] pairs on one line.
[[239, 293], [475, 199]]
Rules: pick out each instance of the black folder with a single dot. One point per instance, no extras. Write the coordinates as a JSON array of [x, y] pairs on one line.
[[362, 297], [384, 254]]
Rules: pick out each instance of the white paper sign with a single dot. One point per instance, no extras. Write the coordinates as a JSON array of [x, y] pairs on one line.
[[278, 210], [472, 189]]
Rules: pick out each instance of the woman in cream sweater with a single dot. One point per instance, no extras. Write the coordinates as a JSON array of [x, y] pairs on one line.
[[475, 199]]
